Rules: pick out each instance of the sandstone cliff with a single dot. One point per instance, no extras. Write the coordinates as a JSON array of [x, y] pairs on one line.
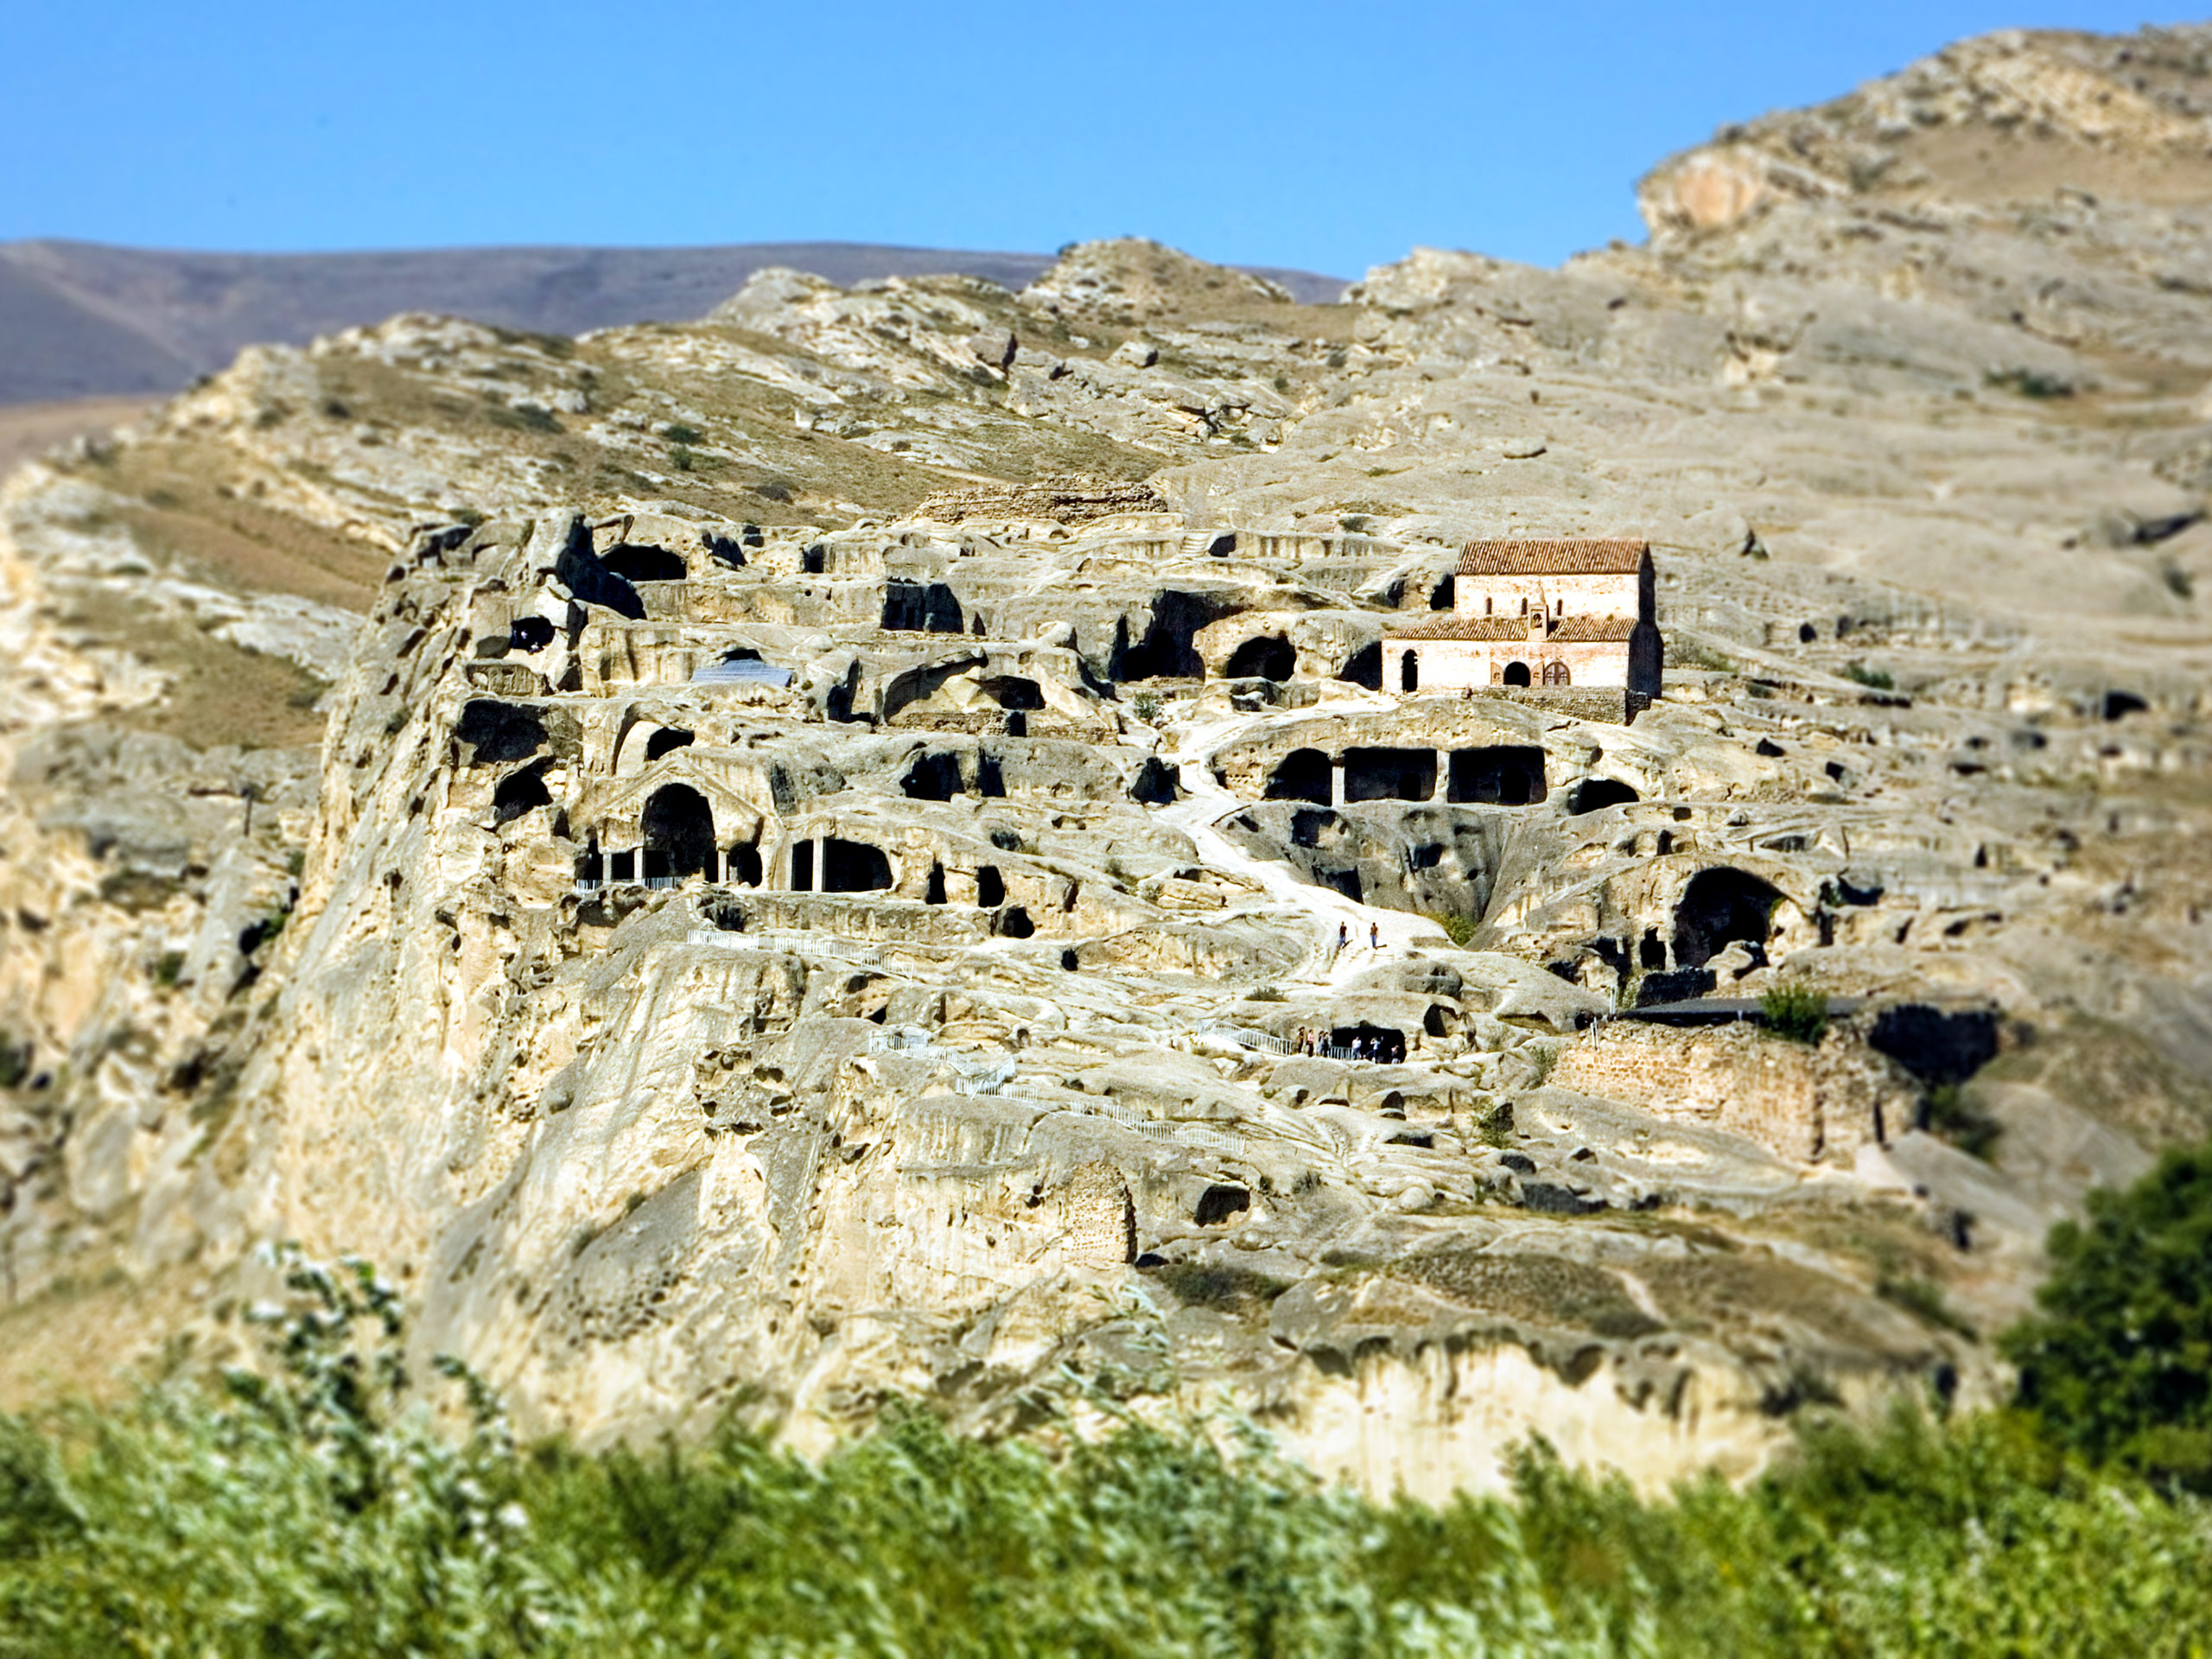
[[961, 656]]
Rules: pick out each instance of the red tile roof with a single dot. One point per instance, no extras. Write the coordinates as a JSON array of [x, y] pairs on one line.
[[1617, 558], [1509, 630]]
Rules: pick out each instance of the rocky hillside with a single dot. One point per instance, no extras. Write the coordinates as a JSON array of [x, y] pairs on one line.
[[775, 862], [77, 319]]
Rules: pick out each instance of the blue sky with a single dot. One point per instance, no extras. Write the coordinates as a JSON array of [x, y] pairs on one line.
[[1326, 136]]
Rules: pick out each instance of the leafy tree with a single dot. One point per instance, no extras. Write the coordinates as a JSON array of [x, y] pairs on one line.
[[2119, 1363]]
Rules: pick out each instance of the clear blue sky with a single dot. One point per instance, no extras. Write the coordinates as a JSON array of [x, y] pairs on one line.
[[1330, 137]]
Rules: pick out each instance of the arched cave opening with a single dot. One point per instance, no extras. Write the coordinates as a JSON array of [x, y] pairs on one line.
[[1157, 783], [2120, 704], [854, 866], [1497, 775], [1390, 774], [665, 739], [1302, 775], [922, 607], [1218, 1203], [1594, 794], [1516, 674], [635, 562], [521, 793], [934, 892], [1014, 923], [934, 776], [1719, 907], [1014, 692], [1268, 658], [679, 827], [491, 731], [529, 633], [990, 887], [1364, 666], [1386, 1042], [1165, 650], [744, 864]]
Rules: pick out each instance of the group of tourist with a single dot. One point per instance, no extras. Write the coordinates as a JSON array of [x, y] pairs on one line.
[[1313, 1042]]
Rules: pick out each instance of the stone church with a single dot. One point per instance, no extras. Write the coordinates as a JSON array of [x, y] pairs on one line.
[[1536, 615]]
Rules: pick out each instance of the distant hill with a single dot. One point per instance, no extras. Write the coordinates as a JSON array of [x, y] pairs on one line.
[[79, 318]]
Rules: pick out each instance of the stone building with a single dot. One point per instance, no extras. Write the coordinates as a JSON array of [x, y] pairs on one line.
[[1536, 615]]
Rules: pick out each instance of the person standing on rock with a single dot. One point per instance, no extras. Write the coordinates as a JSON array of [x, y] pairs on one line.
[[1343, 940], [1375, 935]]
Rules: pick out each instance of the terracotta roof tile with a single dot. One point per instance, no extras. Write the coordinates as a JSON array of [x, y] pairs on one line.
[[1508, 630], [1448, 625], [1617, 558]]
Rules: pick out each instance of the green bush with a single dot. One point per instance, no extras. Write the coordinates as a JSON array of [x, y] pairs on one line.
[[1877, 679], [678, 432], [1146, 704], [2118, 1362], [310, 1508], [1458, 927], [1946, 1111], [1797, 1012]]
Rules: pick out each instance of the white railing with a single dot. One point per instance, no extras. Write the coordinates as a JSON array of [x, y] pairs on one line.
[[977, 1076], [662, 883], [1250, 1038], [588, 884]]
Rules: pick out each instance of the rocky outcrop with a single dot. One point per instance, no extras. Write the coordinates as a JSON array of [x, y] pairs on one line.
[[752, 911]]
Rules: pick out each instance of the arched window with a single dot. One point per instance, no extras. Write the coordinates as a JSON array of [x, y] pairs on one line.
[[1556, 674], [1409, 672]]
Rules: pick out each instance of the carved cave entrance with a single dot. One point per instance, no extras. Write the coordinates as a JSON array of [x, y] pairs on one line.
[[1499, 775], [1390, 774], [1719, 907], [1302, 775], [1268, 658], [679, 831]]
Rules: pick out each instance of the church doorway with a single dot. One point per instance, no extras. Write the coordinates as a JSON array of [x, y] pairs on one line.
[[1516, 673]]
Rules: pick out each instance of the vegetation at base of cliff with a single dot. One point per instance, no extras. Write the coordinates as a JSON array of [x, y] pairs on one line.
[[1797, 1012], [308, 1510], [2117, 1364]]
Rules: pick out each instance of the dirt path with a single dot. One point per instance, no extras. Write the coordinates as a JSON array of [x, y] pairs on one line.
[[1206, 803]]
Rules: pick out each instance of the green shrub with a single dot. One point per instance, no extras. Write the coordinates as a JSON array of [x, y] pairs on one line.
[[678, 432], [1264, 993], [2118, 1362], [2030, 382], [308, 1508], [1146, 704], [681, 459], [1877, 678], [1797, 1012], [1946, 1111], [1458, 926]]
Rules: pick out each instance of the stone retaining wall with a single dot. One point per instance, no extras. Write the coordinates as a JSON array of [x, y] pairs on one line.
[[1814, 1104]]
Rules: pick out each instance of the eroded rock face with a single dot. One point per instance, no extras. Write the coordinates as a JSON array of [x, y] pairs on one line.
[[727, 908]]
